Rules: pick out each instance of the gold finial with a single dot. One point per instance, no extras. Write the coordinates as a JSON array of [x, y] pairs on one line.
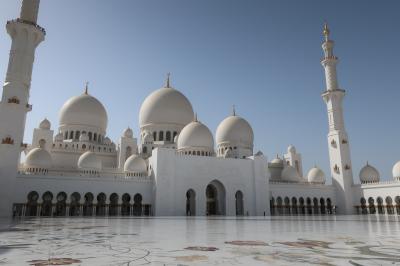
[[326, 31], [195, 117], [167, 85], [86, 87], [233, 110]]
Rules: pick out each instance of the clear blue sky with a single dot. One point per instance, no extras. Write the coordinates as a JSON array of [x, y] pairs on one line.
[[262, 56]]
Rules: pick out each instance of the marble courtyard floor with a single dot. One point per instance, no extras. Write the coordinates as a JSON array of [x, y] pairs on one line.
[[325, 240]]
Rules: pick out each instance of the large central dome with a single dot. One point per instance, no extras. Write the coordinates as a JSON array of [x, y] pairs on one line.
[[166, 106], [84, 110]]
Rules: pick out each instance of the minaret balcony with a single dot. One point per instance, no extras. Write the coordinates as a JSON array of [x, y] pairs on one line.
[[18, 20]]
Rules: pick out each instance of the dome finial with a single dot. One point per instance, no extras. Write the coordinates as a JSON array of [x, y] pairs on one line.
[[167, 83], [195, 117], [233, 110], [326, 31], [87, 87]]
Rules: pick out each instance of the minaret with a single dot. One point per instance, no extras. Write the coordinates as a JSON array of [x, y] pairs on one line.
[[339, 150], [25, 36]]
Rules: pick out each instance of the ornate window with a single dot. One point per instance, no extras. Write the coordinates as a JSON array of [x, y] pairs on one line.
[[336, 169], [13, 100], [7, 140]]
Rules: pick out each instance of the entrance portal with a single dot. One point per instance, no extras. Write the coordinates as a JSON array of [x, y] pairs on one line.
[[215, 197], [190, 203], [239, 203]]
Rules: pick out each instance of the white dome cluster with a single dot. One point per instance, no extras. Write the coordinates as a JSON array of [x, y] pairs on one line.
[[396, 171], [235, 130], [369, 174], [128, 133], [84, 110], [236, 134], [135, 165], [316, 176], [196, 138], [89, 161], [38, 159], [165, 106], [45, 124]]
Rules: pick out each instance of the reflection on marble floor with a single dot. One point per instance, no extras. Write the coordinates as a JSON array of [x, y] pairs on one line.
[[347, 240]]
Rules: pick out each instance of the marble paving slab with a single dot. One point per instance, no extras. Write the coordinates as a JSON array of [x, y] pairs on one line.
[[325, 240]]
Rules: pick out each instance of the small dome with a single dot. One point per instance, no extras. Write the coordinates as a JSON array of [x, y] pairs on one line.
[[235, 130], [195, 135], [45, 124], [369, 174], [128, 133], [316, 175], [166, 106], [84, 137], [84, 110], [290, 173], [89, 161], [38, 158], [291, 149], [135, 164], [277, 161], [396, 171]]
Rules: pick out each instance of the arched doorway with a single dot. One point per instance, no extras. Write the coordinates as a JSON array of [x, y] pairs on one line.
[[137, 205], [215, 198], [190, 203], [363, 203], [371, 205], [294, 206], [302, 207], [126, 205], [239, 203], [88, 204], [101, 204], [397, 201], [309, 207], [329, 206], [380, 205], [286, 202], [272, 206], [47, 203], [389, 205], [61, 205], [75, 206], [31, 206], [315, 205], [322, 206], [113, 208]]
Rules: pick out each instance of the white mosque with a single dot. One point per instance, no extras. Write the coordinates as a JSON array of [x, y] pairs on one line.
[[174, 168]]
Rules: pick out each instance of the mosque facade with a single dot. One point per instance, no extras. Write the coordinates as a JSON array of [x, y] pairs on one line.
[[175, 167]]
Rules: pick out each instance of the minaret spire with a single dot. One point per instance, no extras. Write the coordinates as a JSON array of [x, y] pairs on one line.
[[338, 143], [30, 10], [87, 87], [326, 31], [167, 82]]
